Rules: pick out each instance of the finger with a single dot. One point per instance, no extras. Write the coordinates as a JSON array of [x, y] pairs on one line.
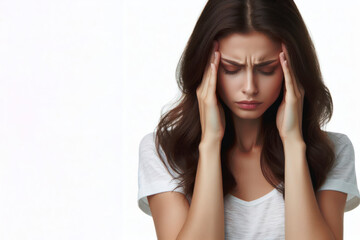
[[212, 57], [287, 57], [289, 66], [213, 49], [208, 78], [213, 79], [211, 71], [207, 71], [201, 85], [203, 80], [288, 79], [205, 76]]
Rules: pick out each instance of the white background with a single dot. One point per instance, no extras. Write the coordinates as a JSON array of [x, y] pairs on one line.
[[81, 82]]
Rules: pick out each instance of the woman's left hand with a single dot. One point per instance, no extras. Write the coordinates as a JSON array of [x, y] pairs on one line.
[[289, 114]]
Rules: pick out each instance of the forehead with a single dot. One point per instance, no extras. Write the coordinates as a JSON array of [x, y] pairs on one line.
[[253, 44]]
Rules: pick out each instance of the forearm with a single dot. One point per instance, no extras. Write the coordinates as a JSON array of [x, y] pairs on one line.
[[303, 219], [205, 218]]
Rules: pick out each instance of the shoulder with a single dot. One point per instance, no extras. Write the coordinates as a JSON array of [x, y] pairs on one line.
[[148, 154], [148, 139], [341, 141], [336, 137], [342, 176], [147, 148], [147, 144], [344, 154]]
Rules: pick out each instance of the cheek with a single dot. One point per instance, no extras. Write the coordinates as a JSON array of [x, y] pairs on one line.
[[225, 87], [272, 82], [272, 87]]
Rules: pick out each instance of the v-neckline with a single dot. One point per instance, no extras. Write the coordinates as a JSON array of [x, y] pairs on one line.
[[255, 201]]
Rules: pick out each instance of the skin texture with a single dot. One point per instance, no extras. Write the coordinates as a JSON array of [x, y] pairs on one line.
[[249, 82]]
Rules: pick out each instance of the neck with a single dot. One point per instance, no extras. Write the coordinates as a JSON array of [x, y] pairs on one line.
[[247, 133]]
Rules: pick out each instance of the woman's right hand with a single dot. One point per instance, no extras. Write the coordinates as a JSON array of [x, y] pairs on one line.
[[212, 115]]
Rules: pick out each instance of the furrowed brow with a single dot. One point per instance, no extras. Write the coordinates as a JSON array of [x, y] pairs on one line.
[[261, 64]]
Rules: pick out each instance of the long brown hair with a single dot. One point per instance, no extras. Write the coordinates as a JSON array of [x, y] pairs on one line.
[[178, 132]]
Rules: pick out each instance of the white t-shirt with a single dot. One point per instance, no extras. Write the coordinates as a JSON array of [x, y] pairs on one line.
[[262, 218]]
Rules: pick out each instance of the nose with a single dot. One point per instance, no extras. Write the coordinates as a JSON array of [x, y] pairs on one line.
[[250, 86]]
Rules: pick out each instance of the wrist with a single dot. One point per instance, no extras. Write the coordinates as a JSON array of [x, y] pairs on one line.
[[298, 143], [209, 144]]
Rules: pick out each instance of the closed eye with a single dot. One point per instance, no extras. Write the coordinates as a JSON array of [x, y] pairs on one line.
[[267, 73]]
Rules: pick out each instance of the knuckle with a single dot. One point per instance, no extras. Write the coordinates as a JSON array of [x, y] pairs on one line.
[[292, 100], [200, 98], [208, 101]]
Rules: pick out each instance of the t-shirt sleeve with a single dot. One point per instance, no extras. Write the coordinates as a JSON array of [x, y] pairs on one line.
[[342, 177], [153, 176]]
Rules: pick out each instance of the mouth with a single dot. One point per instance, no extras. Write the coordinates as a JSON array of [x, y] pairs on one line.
[[248, 104]]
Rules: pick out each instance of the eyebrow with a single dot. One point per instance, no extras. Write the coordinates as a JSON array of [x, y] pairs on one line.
[[261, 64]]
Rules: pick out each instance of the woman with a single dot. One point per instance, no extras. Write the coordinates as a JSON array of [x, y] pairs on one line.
[[217, 167]]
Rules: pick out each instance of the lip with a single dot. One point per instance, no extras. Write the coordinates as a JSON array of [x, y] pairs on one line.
[[248, 104]]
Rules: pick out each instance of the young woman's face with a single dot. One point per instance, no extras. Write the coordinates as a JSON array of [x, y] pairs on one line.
[[249, 81]]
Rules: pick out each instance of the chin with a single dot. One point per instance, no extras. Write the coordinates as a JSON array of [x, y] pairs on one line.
[[247, 114]]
